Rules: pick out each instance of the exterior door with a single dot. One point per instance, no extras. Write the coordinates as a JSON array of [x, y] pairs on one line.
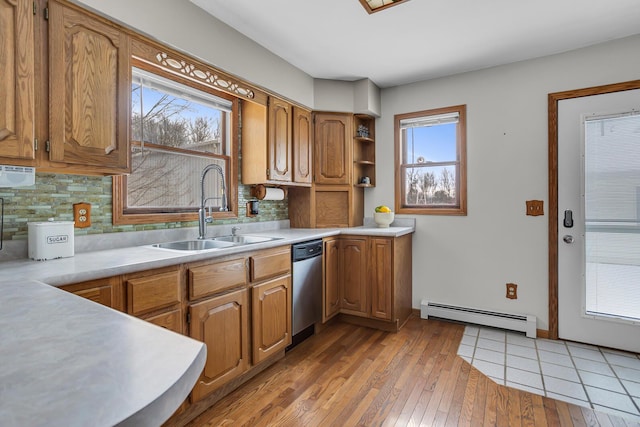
[[599, 219]]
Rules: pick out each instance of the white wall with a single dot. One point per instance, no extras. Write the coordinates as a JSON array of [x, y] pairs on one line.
[[467, 260], [186, 27]]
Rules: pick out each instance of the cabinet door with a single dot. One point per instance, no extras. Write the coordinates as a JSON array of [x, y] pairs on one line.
[[17, 79], [381, 257], [331, 280], [280, 140], [271, 315], [302, 146], [332, 139], [222, 324], [89, 91], [353, 272], [106, 291]]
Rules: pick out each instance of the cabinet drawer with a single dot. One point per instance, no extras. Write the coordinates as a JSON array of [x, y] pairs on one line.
[[212, 278], [270, 264], [171, 320], [154, 291]]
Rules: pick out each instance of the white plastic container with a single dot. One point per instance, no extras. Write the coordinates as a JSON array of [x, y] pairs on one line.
[[50, 240]]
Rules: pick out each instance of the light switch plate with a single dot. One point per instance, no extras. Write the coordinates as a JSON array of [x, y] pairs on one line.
[[82, 215], [535, 207]]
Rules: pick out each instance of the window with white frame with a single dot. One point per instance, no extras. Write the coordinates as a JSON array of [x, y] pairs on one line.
[[431, 161]]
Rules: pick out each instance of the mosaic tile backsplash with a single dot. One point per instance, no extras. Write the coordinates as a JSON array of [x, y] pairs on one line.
[[53, 196]]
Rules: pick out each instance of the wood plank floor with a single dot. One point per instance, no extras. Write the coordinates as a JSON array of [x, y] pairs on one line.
[[355, 376]]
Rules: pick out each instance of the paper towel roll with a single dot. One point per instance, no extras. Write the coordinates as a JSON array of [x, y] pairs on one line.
[[273, 194]]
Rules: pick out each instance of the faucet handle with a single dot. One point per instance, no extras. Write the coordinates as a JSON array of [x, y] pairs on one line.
[[234, 230]]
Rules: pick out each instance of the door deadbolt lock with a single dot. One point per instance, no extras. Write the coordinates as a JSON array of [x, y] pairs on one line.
[[568, 239], [568, 219]]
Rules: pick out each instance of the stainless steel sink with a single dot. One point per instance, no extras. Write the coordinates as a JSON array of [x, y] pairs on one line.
[[243, 239], [194, 245]]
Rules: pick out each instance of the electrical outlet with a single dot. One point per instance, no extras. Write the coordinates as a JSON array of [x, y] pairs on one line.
[[82, 215], [512, 291]]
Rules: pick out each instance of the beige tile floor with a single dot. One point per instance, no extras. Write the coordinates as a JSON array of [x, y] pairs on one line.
[[599, 378]]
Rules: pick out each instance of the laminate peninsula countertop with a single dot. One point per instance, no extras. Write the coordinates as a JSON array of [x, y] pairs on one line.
[[68, 361]]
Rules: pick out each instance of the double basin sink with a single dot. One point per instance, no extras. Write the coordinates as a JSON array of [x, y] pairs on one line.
[[220, 242]]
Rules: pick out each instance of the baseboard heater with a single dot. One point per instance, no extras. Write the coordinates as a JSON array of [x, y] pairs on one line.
[[516, 322]]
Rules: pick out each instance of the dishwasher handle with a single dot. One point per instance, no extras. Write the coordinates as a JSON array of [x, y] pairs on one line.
[[305, 250]]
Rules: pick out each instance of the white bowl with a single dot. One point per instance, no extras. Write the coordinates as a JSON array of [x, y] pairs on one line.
[[383, 219]]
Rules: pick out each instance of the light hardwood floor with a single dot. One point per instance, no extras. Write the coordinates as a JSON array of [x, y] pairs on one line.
[[355, 376]]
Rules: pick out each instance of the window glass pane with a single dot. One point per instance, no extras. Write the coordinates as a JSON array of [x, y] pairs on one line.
[[161, 179], [431, 185], [426, 144], [167, 113]]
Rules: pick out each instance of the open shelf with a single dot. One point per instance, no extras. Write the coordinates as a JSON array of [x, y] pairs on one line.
[[364, 150]]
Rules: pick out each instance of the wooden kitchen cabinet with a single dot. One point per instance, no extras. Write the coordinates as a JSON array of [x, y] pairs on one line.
[[271, 317], [352, 268], [90, 85], [270, 273], [156, 296], [333, 153], [222, 323], [276, 144], [381, 271], [280, 141], [17, 82], [337, 198], [372, 277], [107, 291], [302, 146], [330, 279]]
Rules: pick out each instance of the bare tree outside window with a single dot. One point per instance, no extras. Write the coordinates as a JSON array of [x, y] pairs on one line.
[[173, 139]]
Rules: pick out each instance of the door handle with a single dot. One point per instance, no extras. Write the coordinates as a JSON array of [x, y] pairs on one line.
[[568, 238]]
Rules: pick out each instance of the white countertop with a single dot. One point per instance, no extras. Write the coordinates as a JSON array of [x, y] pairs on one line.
[[68, 361]]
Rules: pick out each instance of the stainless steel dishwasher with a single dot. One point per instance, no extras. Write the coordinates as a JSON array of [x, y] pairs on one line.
[[307, 288]]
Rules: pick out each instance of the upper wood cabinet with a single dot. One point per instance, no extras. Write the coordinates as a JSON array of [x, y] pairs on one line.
[[276, 144], [333, 148], [17, 80], [279, 142], [302, 146], [90, 85]]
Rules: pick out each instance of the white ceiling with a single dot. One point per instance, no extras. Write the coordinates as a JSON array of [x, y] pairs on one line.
[[422, 39]]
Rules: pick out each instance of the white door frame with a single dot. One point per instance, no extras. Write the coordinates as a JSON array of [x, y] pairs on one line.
[[553, 99]]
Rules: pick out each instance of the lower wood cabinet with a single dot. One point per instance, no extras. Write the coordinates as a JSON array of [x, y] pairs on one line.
[[352, 270], [239, 306], [368, 280], [107, 291], [222, 323], [241, 309], [271, 315], [156, 296]]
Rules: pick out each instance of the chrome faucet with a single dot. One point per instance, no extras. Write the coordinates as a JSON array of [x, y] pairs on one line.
[[234, 231], [203, 218]]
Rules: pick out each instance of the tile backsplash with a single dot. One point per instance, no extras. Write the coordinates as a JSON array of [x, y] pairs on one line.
[[53, 196]]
